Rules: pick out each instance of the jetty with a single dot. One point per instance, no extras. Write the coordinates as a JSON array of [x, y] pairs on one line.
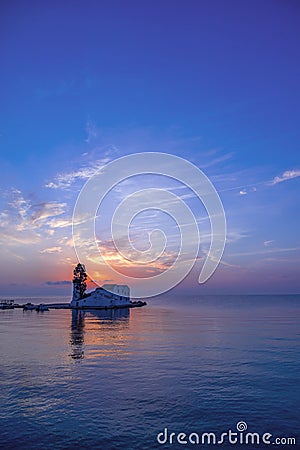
[[39, 307]]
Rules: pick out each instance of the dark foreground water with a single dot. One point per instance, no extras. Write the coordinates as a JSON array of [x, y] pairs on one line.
[[116, 380]]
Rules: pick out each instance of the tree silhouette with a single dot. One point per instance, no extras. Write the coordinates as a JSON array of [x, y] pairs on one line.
[[79, 279]]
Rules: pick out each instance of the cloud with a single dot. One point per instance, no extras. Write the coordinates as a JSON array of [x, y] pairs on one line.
[[268, 243], [65, 180], [59, 223], [58, 283], [216, 161], [19, 204], [133, 261], [243, 192], [266, 251], [24, 223], [236, 235], [91, 130], [67, 241], [10, 235], [22, 214], [15, 226], [287, 175], [45, 210], [52, 250]]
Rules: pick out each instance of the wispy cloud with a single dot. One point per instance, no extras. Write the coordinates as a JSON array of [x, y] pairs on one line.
[[18, 203], [59, 223], [266, 251], [45, 210], [24, 222], [56, 249], [14, 221], [133, 261], [66, 241], [216, 161], [12, 236], [91, 130], [268, 243], [65, 180], [27, 214], [287, 175]]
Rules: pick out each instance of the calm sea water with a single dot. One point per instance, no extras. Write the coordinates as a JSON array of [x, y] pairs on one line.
[[115, 380]]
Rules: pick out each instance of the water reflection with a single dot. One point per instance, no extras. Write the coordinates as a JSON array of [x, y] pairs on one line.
[[112, 319], [77, 334]]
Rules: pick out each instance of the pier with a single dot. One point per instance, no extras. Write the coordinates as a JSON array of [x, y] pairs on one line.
[[33, 307]]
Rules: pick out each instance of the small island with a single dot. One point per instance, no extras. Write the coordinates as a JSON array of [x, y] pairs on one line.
[[109, 296]]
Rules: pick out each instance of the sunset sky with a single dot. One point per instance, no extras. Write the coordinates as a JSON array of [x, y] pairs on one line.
[[214, 82]]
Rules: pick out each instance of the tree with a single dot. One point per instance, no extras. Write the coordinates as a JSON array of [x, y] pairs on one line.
[[79, 280]]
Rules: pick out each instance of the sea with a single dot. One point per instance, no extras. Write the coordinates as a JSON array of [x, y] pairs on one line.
[[182, 372]]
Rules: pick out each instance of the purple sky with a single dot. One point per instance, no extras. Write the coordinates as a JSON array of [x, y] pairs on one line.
[[217, 83]]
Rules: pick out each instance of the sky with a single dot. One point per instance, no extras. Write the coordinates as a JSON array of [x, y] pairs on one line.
[[214, 82]]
